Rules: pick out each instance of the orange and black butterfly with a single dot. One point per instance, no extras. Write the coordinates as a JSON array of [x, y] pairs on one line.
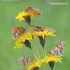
[[25, 61], [17, 32], [33, 11], [58, 50], [38, 28]]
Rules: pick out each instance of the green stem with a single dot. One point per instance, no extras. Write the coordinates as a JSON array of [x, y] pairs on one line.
[[39, 57], [34, 54], [37, 53]]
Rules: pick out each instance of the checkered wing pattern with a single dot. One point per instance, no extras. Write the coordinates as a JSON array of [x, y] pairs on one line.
[[17, 32], [58, 50], [37, 28], [25, 61], [33, 10], [49, 29]]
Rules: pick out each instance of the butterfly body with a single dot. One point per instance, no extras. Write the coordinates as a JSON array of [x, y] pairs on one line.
[[17, 32], [25, 61], [58, 50]]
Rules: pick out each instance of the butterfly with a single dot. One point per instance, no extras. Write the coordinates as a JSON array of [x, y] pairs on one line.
[[17, 32], [37, 28], [25, 61], [58, 50], [33, 10]]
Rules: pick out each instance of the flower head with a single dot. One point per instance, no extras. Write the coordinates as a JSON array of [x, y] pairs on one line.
[[21, 16], [51, 58], [37, 64], [23, 39], [43, 34], [25, 16]]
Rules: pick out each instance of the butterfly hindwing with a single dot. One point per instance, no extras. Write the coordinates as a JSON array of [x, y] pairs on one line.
[[17, 32], [25, 61], [37, 28], [33, 10], [58, 50], [50, 29]]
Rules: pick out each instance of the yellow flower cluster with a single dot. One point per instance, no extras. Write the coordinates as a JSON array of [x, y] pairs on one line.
[[22, 39], [29, 36], [53, 58], [21, 16], [47, 60], [36, 64], [43, 33]]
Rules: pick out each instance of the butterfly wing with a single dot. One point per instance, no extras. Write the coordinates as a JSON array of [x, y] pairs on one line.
[[33, 11], [37, 28], [28, 9], [17, 32], [25, 61], [58, 50], [49, 29]]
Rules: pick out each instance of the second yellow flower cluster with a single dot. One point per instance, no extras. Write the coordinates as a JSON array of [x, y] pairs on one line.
[[48, 59]]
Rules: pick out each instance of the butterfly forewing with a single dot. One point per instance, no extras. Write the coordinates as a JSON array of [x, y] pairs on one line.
[[37, 28], [17, 32], [32, 10], [58, 50], [49, 29], [25, 61]]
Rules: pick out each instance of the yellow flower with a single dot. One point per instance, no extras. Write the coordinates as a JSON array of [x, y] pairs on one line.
[[51, 58], [22, 39], [37, 64], [43, 33], [21, 16], [24, 15], [43, 60]]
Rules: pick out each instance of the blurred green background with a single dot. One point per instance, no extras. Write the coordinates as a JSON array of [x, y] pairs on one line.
[[53, 16]]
